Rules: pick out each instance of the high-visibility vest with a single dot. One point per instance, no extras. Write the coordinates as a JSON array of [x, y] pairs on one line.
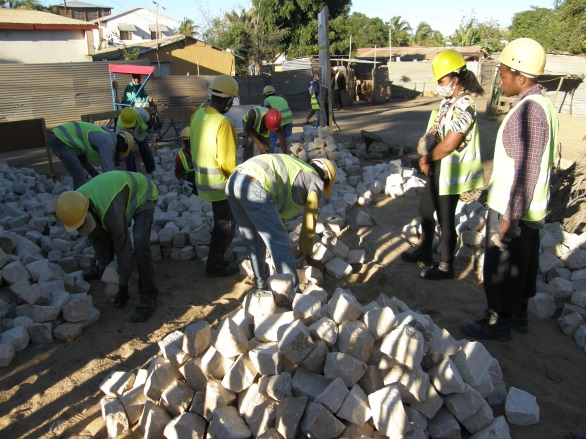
[[187, 163], [314, 102], [209, 179], [499, 188], [76, 136], [260, 113], [281, 104], [141, 123], [103, 188], [276, 173]]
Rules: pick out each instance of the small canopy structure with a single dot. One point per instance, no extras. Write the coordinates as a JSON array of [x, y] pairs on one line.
[[127, 69]]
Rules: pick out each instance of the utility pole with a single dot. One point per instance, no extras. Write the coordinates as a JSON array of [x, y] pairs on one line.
[[157, 31], [391, 41]]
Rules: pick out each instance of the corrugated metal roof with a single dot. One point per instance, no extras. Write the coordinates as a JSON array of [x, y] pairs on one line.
[[127, 27], [162, 28], [9, 16], [425, 52], [83, 5]]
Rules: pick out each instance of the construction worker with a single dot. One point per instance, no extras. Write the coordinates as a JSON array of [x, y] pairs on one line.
[[102, 209], [279, 103], [134, 95], [137, 122], [313, 93], [258, 122], [518, 194], [267, 189], [76, 143], [184, 169], [213, 149]]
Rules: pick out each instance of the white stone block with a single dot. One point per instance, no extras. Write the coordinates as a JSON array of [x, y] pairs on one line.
[[319, 422], [355, 339], [497, 429], [521, 407], [296, 342], [114, 415], [446, 377], [388, 413], [117, 383], [343, 306], [197, 338], [472, 362], [405, 344], [542, 306]]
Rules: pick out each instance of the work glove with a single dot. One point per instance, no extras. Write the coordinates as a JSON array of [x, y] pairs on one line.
[[121, 297]]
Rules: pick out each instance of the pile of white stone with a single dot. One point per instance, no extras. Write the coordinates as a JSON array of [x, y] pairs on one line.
[[46, 297], [287, 365], [561, 285]]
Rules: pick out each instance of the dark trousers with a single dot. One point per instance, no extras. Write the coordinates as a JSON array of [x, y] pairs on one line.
[[145, 154], [147, 282], [222, 233], [510, 275], [338, 99], [445, 206]]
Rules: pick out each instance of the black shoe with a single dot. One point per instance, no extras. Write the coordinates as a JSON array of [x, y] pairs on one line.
[[520, 322], [224, 270], [418, 256], [488, 328], [141, 314], [120, 299], [93, 274], [440, 271]]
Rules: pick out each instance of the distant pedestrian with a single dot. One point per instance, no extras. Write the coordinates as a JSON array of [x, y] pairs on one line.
[[339, 85], [313, 93]]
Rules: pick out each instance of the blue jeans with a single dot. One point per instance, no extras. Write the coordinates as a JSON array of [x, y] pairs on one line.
[[261, 227], [78, 166], [145, 154], [287, 129]]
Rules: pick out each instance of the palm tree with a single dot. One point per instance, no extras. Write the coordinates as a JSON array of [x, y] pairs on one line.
[[425, 36], [401, 31], [22, 4], [187, 27]]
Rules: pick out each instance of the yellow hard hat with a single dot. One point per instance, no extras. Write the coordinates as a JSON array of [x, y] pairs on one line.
[[224, 86], [129, 143], [445, 63], [71, 208], [329, 170], [525, 55], [268, 90], [128, 117], [185, 133]]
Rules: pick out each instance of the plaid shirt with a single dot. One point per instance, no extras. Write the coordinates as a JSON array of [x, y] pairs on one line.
[[525, 138]]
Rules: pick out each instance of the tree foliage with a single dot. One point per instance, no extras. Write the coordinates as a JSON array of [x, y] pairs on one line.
[[187, 27], [367, 32], [22, 4], [401, 32], [424, 35]]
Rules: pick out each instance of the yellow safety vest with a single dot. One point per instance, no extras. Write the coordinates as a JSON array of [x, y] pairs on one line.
[[186, 166], [76, 136], [281, 104], [260, 113], [314, 102]]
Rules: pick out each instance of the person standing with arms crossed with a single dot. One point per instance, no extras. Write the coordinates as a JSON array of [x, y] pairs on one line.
[[518, 194]]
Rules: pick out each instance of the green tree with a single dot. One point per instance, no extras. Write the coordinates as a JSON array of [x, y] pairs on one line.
[[22, 4], [366, 32], [424, 35], [187, 27], [401, 32], [532, 24], [468, 33]]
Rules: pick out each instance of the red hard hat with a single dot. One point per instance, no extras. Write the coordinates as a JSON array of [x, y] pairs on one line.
[[273, 119]]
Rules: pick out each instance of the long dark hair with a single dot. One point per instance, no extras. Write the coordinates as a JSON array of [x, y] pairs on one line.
[[468, 81]]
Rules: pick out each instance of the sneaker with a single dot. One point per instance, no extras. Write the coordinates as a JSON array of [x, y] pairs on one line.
[[418, 256], [93, 274], [141, 314], [487, 328], [440, 271], [225, 270], [520, 322]]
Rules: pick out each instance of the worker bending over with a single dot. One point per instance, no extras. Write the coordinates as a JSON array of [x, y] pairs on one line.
[[258, 122], [137, 122], [278, 103]]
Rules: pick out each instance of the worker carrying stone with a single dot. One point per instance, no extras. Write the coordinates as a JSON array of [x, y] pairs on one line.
[[102, 209], [257, 123], [184, 168], [267, 189], [279, 103], [76, 143]]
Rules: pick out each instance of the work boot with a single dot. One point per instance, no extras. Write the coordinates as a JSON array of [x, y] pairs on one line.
[[223, 270], [93, 274], [520, 322], [141, 314], [121, 297], [491, 327], [440, 271], [418, 256]]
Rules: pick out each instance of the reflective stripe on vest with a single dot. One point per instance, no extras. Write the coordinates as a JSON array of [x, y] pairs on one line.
[[76, 136], [187, 167], [314, 102], [276, 174], [499, 188], [260, 112], [103, 188], [209, 179], [141, 123], [281, 104]]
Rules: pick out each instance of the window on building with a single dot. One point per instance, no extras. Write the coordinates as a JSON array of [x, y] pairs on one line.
[[154, 35], [125, 35]]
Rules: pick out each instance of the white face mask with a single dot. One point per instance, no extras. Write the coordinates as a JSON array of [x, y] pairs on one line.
[[446, 91]]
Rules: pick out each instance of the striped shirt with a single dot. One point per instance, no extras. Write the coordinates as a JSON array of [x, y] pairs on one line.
[[525, 138]]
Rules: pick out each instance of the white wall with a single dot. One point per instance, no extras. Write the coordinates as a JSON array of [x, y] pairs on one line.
[[43, 46]]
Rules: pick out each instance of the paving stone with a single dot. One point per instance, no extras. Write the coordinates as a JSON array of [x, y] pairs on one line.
[[281, 286], [355, 339], [41, 333], [240, 375], [153, 421], [480, 420], [289, 414], [76, 310], [214, 364], [59, 298], [26, 292], [197, 338], [388, 414], [413, 383], [18, 336], [273, 326], [472, 362], [231, 340], [266, 358], [338, 268], [466, 404], [446, 377], [343, 306], [580, 336], [193, 373], [23, 321], [485, 387], [307, 308], [497, 429], [161, 374], [4, 306], [542, 306], [308, 384], [325, 329], [171, 348], [333, 395], [259, 304], [296, 342], [569, 323], [68, 331], [380, 321], [93, 317], [117, 383], [279, 387], [444, 425], [355, 408], [405, 344], [198, 403], [228, 424], [258, 411], [177, 398], [271, 433], [579, 298], [346, 367], [499, 392], [7, 353], [316, 359], [372, 380], [45, 313], [114, 415], [318, 422], [185, 426], [216, 396], [133, 402], [521, 407]]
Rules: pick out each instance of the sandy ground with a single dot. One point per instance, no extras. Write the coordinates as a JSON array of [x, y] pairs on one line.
[[52, 391]]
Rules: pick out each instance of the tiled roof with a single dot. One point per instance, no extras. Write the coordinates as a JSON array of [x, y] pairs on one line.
[[29, 19]]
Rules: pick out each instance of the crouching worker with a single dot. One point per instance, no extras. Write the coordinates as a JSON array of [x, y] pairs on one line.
[[267, 189], [76, 143], [102, 209], [184, 169]]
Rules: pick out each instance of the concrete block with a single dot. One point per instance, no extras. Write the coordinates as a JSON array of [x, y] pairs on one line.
[[569, 323], [7, 353], [171, 348], [186, 426], [325, 329], [316, 359], [296, 342], [355, 339], [117, 383], [346, 367], [542, 306], [114, 415], [333, 395], [355, 408], [161, 374], [216, 396], [214, 364], [228, 424], [278, 387], [281, 286], [266, 358], [308, 384], [307, 308], [177, 398], [318, 422], [497, 429], [343, 306], [521, 407], [405, 344], [444, 425], [446, 377], [231, 340], [272, 327], [153, 421], [45, 313], [18, 336], [240, 375], [338, 268], [380, 321], [289, 414], [413, 383], [133, 402], [388, 413], [76, 310], [472, 362]]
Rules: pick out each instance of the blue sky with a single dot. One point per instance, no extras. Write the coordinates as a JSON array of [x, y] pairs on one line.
[[442, 15]]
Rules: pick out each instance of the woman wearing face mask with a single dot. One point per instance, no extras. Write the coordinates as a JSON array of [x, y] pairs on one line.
[[452, 167]]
